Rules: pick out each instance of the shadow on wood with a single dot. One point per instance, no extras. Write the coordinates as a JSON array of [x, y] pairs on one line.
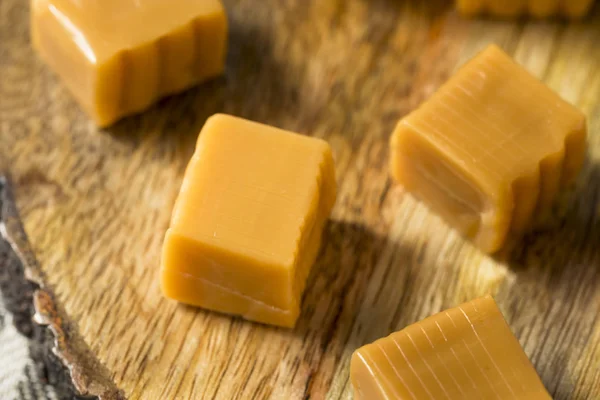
[[338, 280], [573, 236], [333, 294], [255, 86], [560, 265]]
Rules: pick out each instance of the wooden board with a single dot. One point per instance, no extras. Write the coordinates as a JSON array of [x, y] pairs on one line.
[[96, 204]]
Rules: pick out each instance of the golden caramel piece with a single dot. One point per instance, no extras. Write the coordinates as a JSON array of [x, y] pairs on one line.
[[247, 224], [536, 8], [118, 57], [490, 150], [467, 352]]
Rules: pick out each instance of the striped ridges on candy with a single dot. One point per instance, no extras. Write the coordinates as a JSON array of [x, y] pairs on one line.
[[491, 150], [467, 352]]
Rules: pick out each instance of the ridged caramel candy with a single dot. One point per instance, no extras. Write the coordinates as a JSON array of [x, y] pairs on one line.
[[465, 353], [247, 224], [490, 150], [118, 57], [536, 8]]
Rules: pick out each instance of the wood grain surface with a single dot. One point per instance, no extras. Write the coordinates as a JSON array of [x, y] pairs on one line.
[[96, 204]]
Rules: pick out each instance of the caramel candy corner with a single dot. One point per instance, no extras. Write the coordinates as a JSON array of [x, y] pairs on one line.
[[490, 150], [117, 57], [467, 352], [247, 225], [536, 8]]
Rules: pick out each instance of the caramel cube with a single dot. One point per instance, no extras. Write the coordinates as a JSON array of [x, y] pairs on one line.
[[117, 57], [467, 352], [247, 224], [490, 150]]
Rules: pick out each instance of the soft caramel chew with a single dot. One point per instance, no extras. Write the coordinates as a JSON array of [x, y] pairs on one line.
[[467, 352], [490, 150], [247, 224], [536, 8], [117, 57]]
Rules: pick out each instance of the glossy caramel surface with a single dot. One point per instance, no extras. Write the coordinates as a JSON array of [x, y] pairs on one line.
[[490, 150], [464, 353], [101, 28], [119, 57]]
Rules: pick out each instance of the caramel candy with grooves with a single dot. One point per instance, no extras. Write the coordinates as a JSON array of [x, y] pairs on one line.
[[490, 150], [118, 57], [465, 353], [247, 224]]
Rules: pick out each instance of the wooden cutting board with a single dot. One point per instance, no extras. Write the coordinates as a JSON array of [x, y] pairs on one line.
[[96, 203]]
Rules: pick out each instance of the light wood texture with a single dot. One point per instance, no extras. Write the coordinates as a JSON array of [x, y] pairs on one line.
[[96, 204]]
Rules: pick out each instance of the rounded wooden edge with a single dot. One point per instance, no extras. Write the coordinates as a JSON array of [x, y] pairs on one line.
[[89, 377]]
